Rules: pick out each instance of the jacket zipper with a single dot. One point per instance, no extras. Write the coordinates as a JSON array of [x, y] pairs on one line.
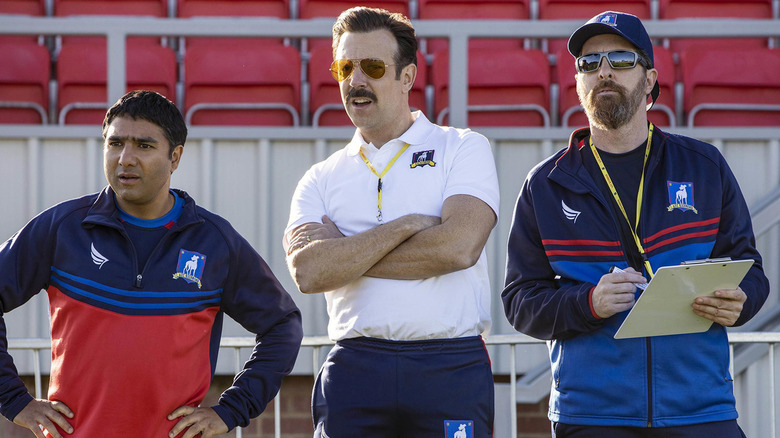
[[649, 385]]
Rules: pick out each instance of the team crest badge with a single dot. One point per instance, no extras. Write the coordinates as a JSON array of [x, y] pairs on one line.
[[422, 158], [190, 266], [608, 18], [458, 429], [680, 196]]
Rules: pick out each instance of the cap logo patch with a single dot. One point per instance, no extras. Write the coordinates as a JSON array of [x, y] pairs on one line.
[[610, 19]]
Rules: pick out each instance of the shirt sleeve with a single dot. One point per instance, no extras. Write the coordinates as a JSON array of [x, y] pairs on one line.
[[307, 203], [256, 300], [536, 302], [473, 171], [25, 261], [735, 239]]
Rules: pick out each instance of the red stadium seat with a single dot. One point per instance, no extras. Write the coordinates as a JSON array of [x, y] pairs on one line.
[[150, 8], [24, 83], [21, 7], [748, 9], [585, 10], [519, 97], [153, 8], [308, 9], [718, 95], [82, 72], [662, 113], [232, 8], [242, 85], [332, 8], [325, 97], [474, 10]]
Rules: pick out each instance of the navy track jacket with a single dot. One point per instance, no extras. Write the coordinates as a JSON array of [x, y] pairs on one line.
[[132, 343], [565, 236]]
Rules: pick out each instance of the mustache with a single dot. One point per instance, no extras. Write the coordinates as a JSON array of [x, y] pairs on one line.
[[361, 92], [609, 85]]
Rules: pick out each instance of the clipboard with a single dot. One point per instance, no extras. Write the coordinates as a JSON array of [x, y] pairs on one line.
[[664, 308]]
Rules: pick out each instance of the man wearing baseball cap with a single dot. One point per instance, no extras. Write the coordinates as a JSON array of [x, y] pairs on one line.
[[627, 195]]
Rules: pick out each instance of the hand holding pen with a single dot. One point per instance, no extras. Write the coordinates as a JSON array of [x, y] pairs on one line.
[[615, 292]]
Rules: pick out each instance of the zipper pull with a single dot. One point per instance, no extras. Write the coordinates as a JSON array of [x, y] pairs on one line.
[[138, 279]]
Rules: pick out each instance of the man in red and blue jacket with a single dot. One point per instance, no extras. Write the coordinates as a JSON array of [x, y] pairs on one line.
[[626, 194], [138, 279]]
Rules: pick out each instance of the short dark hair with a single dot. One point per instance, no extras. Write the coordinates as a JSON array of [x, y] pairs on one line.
[[152, 107], [363, 19]]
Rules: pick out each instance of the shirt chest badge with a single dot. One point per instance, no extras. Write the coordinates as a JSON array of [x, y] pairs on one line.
[[422, 158], [680, 196], [190, 266]]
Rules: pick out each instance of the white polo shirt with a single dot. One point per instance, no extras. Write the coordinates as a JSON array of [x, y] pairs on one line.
[[439, 162]]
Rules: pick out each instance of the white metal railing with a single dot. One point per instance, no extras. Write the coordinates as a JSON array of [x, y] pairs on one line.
[[316, 343]]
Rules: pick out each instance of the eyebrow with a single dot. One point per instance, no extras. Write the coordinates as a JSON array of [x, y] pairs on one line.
[[133, 139]]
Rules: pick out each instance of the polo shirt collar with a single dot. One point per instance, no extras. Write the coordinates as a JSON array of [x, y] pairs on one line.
[[418, 133]]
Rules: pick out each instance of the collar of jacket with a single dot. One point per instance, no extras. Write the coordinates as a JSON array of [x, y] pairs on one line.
[[105, 212], [570, 172]]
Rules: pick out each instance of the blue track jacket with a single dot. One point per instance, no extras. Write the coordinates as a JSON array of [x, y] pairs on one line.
[[565, 236], [132, 343]]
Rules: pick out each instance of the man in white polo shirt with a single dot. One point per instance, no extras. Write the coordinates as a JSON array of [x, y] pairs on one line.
[[392, 230]]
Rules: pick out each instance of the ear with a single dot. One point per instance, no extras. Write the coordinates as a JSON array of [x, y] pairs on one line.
[[176, 157], [652, 76], [408, 75]]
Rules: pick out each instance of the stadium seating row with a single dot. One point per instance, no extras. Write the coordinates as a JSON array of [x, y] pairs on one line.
[[422, 9], [265, 87]]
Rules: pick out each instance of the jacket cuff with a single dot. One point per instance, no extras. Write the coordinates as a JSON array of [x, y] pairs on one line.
[[11, 410], [224, 414], [590, 303]]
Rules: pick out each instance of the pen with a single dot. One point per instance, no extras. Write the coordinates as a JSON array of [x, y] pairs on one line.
[[617, 270]]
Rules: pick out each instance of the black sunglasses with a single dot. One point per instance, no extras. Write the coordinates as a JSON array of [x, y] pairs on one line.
[[618, 59]]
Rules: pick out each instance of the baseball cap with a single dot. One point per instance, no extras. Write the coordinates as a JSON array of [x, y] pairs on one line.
[[619, 23]]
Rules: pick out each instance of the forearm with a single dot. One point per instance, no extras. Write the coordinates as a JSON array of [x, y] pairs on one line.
[[455, 244], [259, 382], [328, 264], [429, 253]]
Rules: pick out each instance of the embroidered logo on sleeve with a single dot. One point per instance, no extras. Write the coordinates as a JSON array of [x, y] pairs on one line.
[[97, 258], [459, 429], [570, 213], [680, 196], [422, 158], [190, 266]]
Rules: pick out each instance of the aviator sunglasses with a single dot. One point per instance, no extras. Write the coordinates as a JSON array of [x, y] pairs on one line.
[[342, 69], [618, 59]]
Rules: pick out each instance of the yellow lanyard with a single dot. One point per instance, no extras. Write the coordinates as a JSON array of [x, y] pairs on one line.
[[638, 197], [380, 175]]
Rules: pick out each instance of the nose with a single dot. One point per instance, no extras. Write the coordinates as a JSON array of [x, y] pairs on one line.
[[358, 78], [127, 156], [605, 69]]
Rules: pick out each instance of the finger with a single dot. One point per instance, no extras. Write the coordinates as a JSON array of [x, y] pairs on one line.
[[49, 426], [731, 294], [181, 411], [62, 408], [326, 220], [61, 422], [193, 431], [38, 432]]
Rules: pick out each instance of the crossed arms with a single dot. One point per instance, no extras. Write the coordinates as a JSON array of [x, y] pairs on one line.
[[411, 247]]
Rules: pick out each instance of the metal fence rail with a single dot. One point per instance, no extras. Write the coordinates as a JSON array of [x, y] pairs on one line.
[[317, 343]]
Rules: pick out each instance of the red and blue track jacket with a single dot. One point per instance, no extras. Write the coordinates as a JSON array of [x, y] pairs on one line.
[[565, 236], [132, 343]]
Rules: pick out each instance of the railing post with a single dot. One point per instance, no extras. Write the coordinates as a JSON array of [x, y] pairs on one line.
[[512, 391]]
